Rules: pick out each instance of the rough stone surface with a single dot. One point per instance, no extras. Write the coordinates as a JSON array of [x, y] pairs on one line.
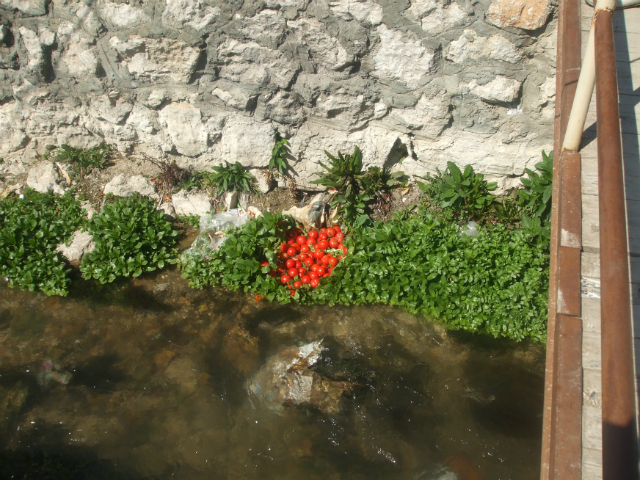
[[209, 81], [186, 203], [264, 181], [231, 200], [525, 14], [81, 244], [44, 177], [125, 186]]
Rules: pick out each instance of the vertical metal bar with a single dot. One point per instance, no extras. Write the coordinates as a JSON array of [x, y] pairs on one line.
[[619, 451]]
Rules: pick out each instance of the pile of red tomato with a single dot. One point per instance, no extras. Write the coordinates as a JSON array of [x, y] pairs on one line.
[[304, 260]]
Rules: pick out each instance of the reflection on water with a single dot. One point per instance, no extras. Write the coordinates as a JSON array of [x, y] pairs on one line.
[[152, 379]]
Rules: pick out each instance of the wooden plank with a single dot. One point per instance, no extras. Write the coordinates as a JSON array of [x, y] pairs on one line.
[[592, 428], [590, 222], [591, 315], [592, 387], [591, 350]]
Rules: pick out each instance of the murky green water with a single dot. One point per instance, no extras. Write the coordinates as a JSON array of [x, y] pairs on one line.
[[156, 380]]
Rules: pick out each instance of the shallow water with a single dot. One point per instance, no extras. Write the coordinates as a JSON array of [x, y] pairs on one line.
[[151, 379]]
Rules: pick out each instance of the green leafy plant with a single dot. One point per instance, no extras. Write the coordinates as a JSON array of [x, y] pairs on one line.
[[496, 283], [356, 190], [229, 178], [131, 237], [466, 192], [83, 161], [31, 227], [192, 220], [278, 160], [535, 198]]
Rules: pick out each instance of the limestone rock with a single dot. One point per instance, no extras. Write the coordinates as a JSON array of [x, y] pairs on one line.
[[345, 111], [157, 60], [327, 54], [499, 90], [284, 108], [186, 203], [12, 133], [81, 244], [78, 11], [79, 54], [254, 212], [194, 13], [143, 119], [155, 98], [313, 215], [4, 33], [183, 372], [268, 28], [264, 180], [240, 349], [402, 59], [169, 211], [46, 36], [44, 177], [184, 125], [429, 117], [34, 49], [230, 200], [250, 64], [247, 141], [470, 46], [31, 8], [105, 109], [125, 186], [366, 11], [525, 14], [122, 15], [237, 97], [443, 18]]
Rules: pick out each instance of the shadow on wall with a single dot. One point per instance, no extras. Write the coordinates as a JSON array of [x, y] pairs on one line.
[[630, 119]]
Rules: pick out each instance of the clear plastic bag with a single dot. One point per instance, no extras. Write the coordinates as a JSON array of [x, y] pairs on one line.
[[212, 232]]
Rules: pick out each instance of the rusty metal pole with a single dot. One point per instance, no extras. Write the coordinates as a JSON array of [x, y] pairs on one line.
[[619, 438]]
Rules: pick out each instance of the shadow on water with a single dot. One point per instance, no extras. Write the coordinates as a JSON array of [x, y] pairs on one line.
[[100, 373]]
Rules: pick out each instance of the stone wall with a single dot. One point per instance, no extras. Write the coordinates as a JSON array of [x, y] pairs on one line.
[[209, 81]]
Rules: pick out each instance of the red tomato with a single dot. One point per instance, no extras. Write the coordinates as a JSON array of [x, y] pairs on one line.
[[331, 232], [284, 247], [291, 241], [321, 271], [313, 234], [291, 252], [293, 272], [337, 228], [302, 272], [325, 260], [322, 230], [322, 236], [292, 292], [314, 267], [340, 236], [345, 250], [291, 234], [258, 298], [303, 257], [301, 240], [298, 264], [309, 261], [291, 263], [311, 241], [323, 245], [305, 279], [285, 279], [305, 249], [325, 275], [314, 275], [273, 273], [297, 284], [333, 243], [333, 262], [318, 254], [314, 283], [264, 264]]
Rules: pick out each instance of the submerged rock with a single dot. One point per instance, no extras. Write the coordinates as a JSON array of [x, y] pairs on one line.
[[240, 349], [286, 379]]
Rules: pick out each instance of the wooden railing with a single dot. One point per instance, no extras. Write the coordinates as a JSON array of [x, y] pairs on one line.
[[562, 421]]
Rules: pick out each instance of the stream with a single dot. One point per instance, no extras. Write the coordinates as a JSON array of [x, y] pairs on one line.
[[150, 379]]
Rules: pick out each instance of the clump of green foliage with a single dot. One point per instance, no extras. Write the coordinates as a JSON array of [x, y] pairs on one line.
[[192, 220], [278, 160], [131, 237], [31, 228], [229, 177], [466, 193], [356, 190], [83, 161], [535, 198], [496, 283]]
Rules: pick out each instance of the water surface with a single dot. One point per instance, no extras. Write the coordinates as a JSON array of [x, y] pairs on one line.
[[152, 379]]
